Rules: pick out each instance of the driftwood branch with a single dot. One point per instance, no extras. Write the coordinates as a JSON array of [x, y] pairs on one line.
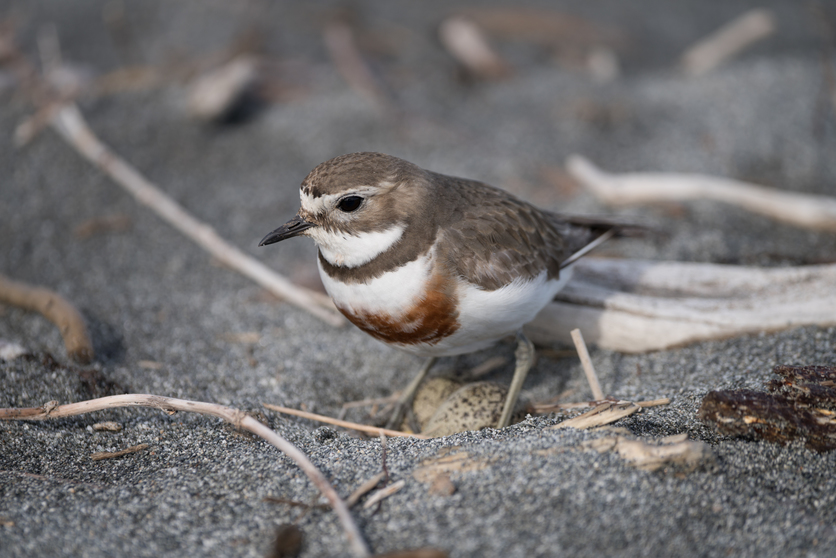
[[70, 125], [57, 310], [635, 306], [802, 210], [235, 417], [728, 41]]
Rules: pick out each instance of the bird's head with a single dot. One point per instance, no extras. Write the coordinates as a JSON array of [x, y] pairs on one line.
[[356, 206]]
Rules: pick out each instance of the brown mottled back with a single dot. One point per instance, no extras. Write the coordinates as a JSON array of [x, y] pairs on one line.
[[490, 237]]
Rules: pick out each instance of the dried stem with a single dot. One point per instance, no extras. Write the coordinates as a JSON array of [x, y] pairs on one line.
[[343, 423], [384, 492], [70, 125], [545, 408], [237, 418], [364, 489], [588, 369], [57, 310]]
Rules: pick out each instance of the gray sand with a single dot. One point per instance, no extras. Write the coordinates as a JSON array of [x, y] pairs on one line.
[[151, 295]]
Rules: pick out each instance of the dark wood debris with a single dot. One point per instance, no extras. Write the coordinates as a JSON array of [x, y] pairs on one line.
[[800, 404]]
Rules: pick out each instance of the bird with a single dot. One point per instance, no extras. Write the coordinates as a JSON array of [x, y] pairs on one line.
[[435, 265]]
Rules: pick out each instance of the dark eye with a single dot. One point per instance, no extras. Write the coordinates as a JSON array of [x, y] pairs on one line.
[[349, 203]]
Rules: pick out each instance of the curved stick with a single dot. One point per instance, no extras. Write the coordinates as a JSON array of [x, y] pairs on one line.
[[54, 308], [237, 418]]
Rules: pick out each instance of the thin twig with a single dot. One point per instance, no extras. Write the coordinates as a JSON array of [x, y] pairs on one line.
[[70, 125], [57, 310], [364, 489], [383, 493], [654, 402], [802, 210], [367, 402], [545, 408], [588, 369], [237, 418], [727, 41], [99, 455], [343, 423], [383, 456]]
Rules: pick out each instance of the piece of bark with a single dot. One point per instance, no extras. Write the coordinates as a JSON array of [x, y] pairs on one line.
[[759, 415], [806, 386], [652, 455], [802, 404], [108, 426]]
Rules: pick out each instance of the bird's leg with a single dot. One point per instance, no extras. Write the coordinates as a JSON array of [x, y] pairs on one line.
[[406, 397], [525, 360]]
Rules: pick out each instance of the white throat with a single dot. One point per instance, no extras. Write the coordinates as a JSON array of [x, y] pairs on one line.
[[347, 250]]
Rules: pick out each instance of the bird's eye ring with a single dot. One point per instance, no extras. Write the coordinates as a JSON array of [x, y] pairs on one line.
[[349, 203]]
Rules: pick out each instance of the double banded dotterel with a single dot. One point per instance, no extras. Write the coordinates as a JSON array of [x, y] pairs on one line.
[[432, 264]]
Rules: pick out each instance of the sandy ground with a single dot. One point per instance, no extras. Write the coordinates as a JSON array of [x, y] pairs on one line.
[[151, 295]]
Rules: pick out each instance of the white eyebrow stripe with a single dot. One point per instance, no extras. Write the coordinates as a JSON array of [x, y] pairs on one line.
[[315, 206], [320, 204]]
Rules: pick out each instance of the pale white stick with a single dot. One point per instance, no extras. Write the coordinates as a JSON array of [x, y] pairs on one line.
[[727, 41], [586, 362], [802, 210], [363, 489], [383, 493], [238, 418], [70, 125], [343, 423], [465, 41], [635, 306]]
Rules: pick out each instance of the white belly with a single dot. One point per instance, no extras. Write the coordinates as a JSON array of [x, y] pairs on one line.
[[488, 316], [484, 317]]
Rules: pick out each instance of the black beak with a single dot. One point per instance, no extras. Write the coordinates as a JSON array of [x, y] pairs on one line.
[[292, 228]]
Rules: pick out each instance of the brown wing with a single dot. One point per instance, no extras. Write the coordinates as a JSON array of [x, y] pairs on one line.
[[490, 238]]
